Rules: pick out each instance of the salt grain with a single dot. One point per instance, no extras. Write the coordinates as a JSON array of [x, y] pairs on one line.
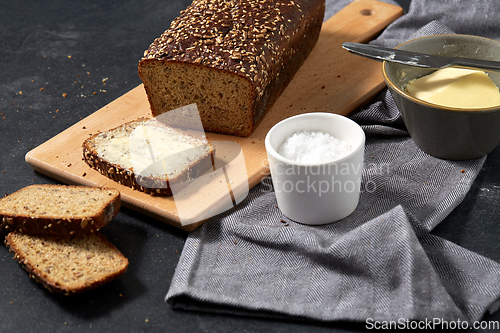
[[313, 147]]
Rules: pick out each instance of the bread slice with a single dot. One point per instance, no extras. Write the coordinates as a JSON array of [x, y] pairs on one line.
[[67, 264], [148, 156], [59, 209]]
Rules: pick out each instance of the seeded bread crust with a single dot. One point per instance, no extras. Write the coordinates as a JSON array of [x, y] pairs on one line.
[[28, 210], [67, 264], [232, 58], [127, 176]]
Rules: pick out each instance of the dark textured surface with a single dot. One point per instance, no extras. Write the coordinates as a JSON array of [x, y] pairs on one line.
[[74, 49]]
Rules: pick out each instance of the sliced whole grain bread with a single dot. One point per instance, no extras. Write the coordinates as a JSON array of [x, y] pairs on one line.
[[149, 156], [68, 264], [232, 58], [59, 209]]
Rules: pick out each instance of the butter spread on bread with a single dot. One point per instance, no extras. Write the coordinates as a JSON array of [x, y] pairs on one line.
[[148, 156]]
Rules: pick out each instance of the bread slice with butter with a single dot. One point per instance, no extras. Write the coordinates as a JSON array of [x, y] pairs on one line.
[[59, 209], [149, 156], [68, 264]]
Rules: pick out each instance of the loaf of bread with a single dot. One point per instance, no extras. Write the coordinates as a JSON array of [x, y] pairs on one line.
[[59, 209], [67, 264], [148, 156], [232, 58]]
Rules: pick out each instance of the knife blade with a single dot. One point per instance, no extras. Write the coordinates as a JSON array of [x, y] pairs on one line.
[[419, 59]]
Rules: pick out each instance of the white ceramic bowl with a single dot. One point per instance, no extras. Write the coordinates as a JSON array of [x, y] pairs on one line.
[[317, 193]]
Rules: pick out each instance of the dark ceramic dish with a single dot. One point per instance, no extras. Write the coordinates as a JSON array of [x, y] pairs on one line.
[[444, 132]]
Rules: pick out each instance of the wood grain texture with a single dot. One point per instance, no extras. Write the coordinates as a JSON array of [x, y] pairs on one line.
[[331, 80]]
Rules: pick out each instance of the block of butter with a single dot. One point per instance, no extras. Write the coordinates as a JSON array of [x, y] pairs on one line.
[[457, 88]]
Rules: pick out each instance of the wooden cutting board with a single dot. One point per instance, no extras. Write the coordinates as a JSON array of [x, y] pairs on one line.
[[330, 80]]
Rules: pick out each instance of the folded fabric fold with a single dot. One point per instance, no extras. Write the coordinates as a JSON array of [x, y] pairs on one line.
[[381, 262], [379, 270], [471, 280]]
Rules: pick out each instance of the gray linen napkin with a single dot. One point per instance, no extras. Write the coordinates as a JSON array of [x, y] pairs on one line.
[[380, 263]]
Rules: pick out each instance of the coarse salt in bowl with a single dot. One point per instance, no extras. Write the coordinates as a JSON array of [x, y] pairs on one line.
[[313, 147], [316, 160]]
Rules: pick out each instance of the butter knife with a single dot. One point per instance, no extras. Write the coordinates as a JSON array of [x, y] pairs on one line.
[[419, 59]]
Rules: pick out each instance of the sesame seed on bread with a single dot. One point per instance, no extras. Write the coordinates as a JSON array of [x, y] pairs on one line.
[[59, 209]]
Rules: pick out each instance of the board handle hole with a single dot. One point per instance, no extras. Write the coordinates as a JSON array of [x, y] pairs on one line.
[[367, 12]]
